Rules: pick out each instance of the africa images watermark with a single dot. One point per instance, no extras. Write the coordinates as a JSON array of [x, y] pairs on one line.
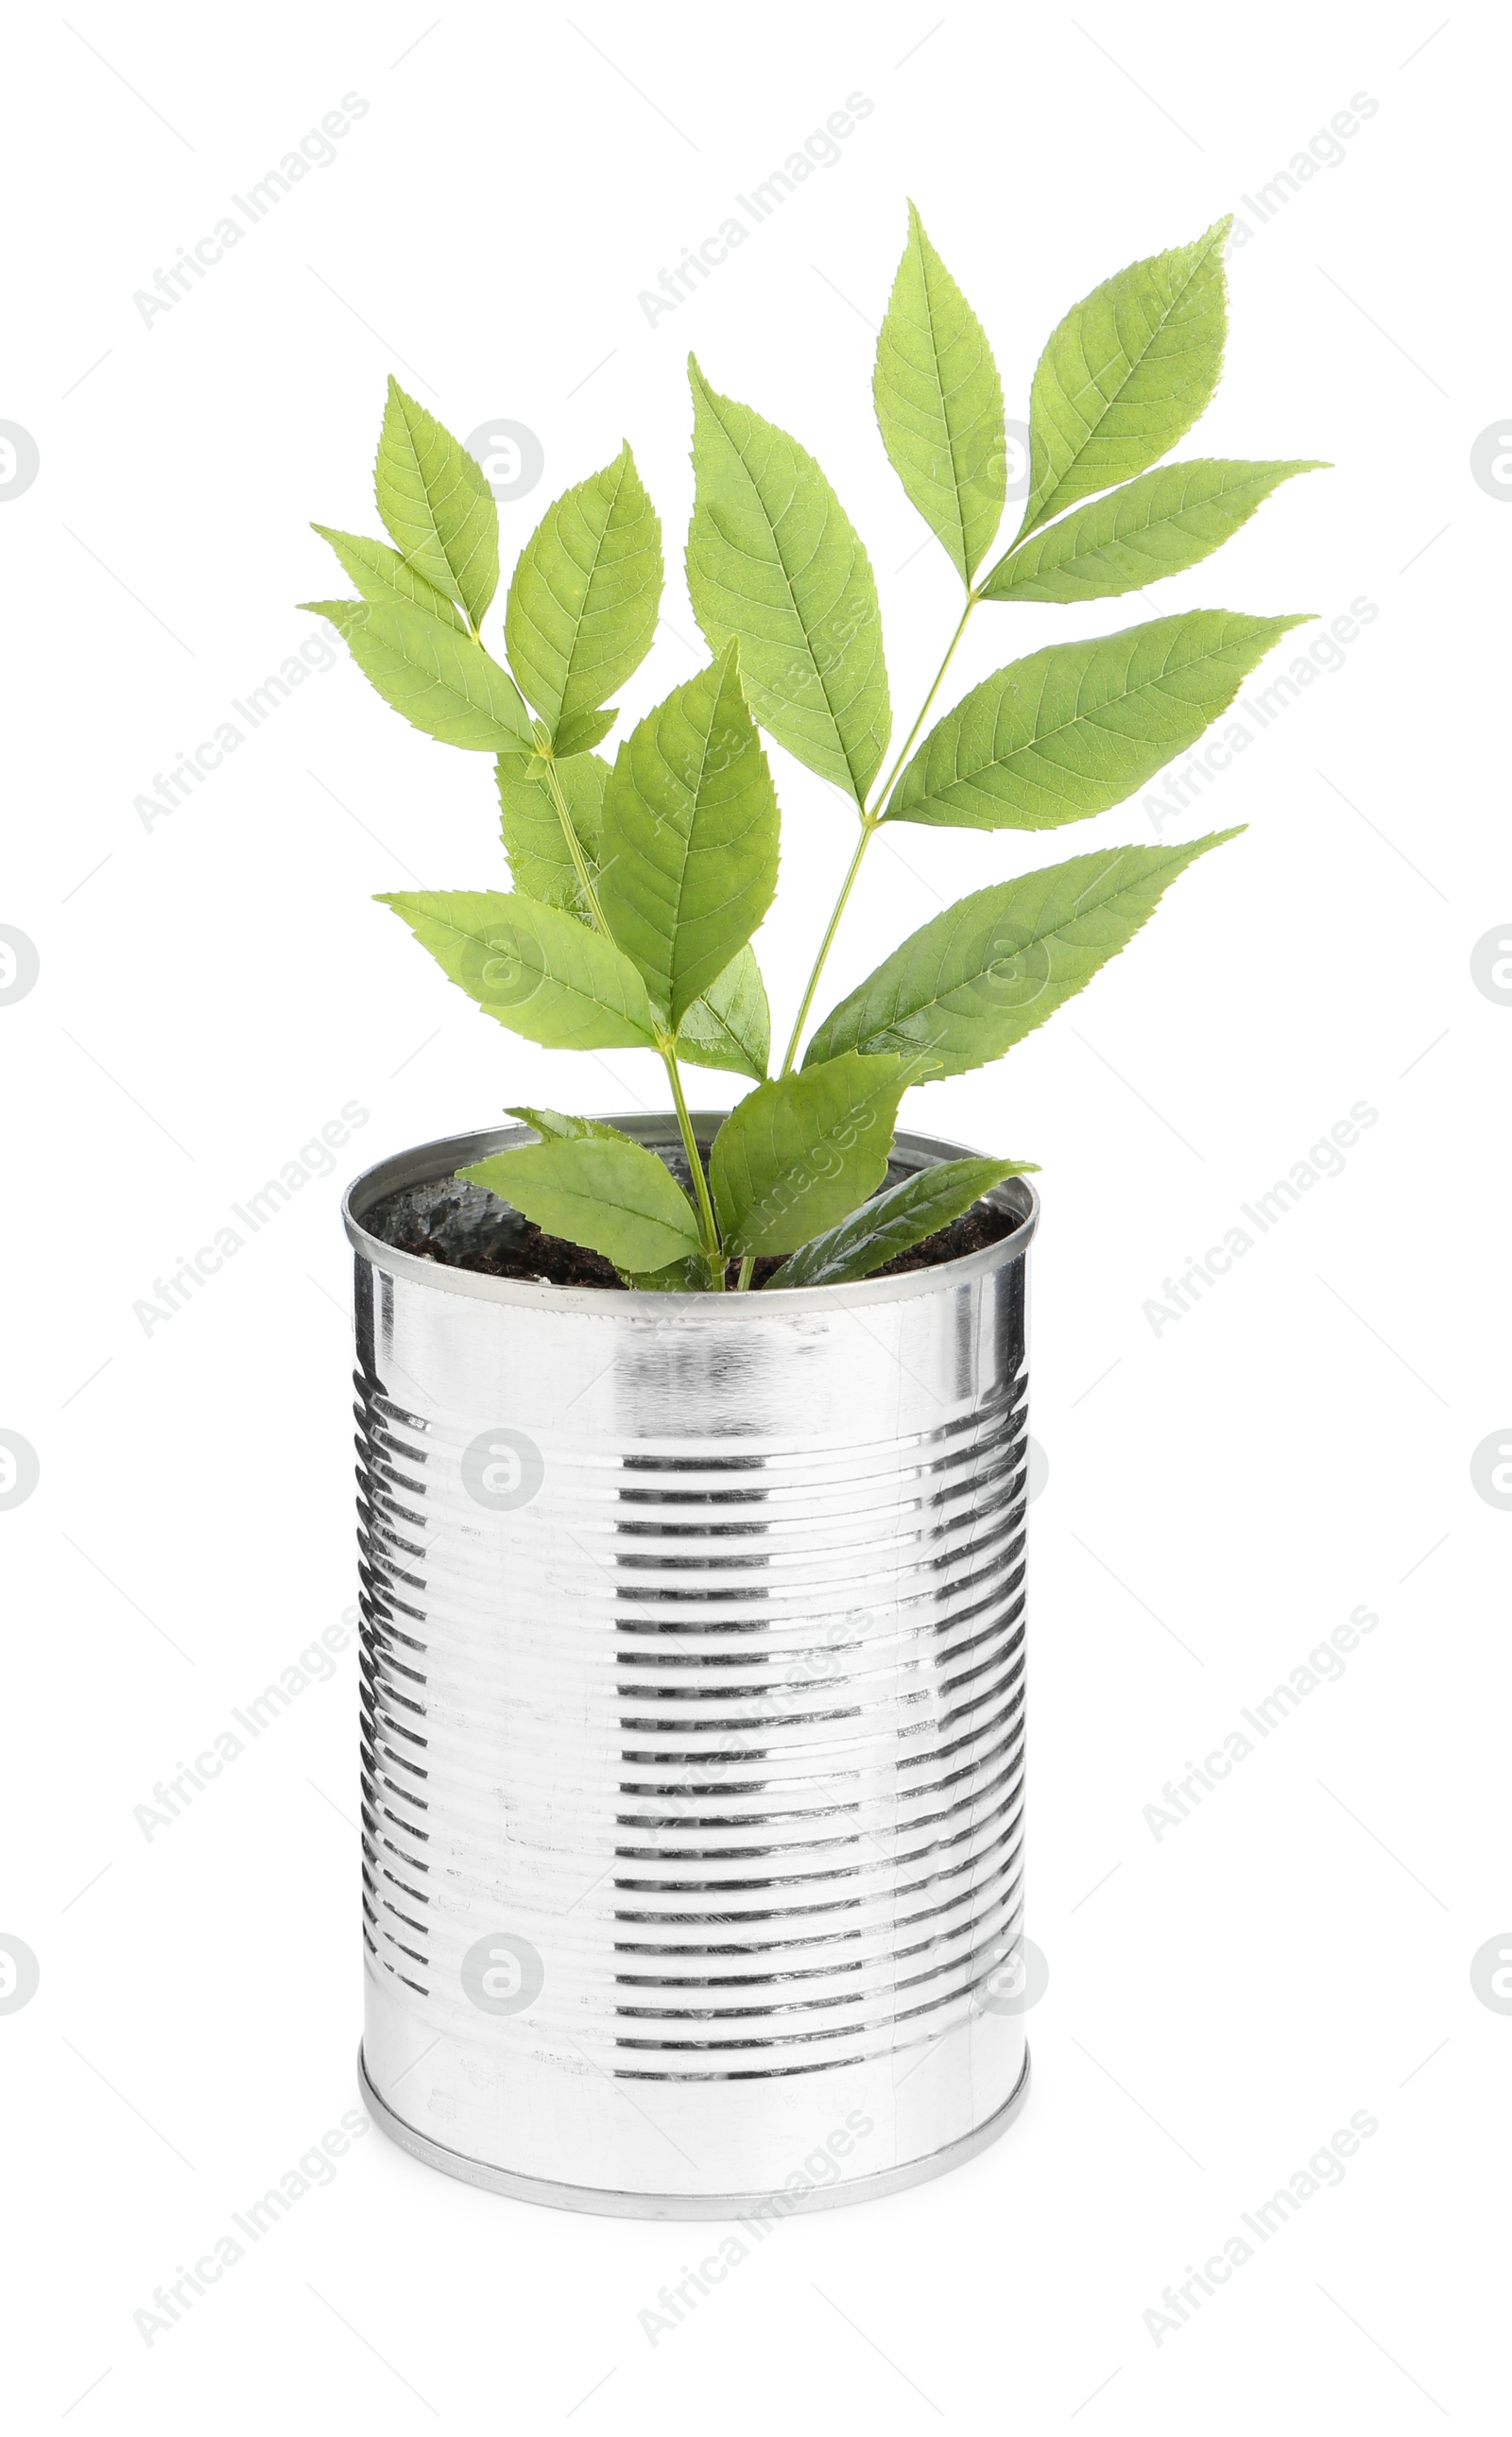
[[1183, 782], [171, 2303], [1180, 2303], [676, 2302], [316, 1664], [821, 150], [1325, 1158], [316, 150], [313, 1159], [190, 770], [1324, 1664], [1324, 150]]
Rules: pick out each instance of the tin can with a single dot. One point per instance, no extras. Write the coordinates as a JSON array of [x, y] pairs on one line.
[[692, 1735]]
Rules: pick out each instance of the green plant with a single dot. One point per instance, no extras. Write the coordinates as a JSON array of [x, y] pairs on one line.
[[638, 886]]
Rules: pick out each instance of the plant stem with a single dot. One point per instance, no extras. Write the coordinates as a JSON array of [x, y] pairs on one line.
[[743, 1282], [924, 709], [871, 821], [574, 845], [862, 843], [709, 1225], [666, 1046]]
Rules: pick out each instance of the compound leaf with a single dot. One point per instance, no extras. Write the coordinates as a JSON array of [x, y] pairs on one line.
[[600, 1189], [1125, 373], [940, 404], [435, 502], [1147, 529], [688, 857], [978, 977], [531, 967], [585, 597], [444, 683], [775, 562], [553, 1127], [381, 574], [1076, 727], [730, 1026], [798, 1153], [893, 1221]]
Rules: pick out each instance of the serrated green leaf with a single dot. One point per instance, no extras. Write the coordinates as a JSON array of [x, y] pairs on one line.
[[436, 503], [531, 968], [582, 731], [1125, 373], [687, 1276], [585, 595], [1076, 727], [553, 1127], [444, 683], [939, 404], [800, 1152], [730, 1026], [1154, 527], [541, 860], [689, 860], [905, 1214], [988, 969], [602, 1190], [381, 574], [775, 562]]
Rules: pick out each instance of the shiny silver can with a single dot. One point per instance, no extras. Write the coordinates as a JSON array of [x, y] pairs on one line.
[[693, 1736]]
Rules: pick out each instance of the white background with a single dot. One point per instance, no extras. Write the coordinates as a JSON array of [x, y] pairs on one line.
[[1220, 1496]]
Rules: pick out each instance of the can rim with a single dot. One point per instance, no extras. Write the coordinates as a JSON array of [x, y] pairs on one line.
[[429, 1163]]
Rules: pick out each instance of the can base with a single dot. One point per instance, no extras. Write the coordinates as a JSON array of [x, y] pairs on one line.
[[719, 2206]]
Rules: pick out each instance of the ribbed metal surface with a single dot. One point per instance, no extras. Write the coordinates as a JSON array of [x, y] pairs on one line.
[[719, 1714]]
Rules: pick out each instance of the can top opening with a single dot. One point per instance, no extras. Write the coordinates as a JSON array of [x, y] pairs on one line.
[[410, 1183]]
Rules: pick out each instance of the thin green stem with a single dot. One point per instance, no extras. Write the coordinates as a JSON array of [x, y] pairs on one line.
[[924, 709], [826, 943], [709, 1225], [743, 1282], [574, 845], [871, 821]]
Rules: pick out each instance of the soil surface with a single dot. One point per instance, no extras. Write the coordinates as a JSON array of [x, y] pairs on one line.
[[465, 1229]]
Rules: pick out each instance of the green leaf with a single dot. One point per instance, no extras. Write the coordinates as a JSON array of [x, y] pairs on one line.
[[381, 574], [798, 1153], [940, 404], [990, 969], [689, 860], [602, 1190], [531, 967], [1128, 371], [774, 561], [1077, 727], [444, 683], [539, 858], [1154, 527], [553, 1127], [905, 1214], [437, 505], [687, 1276], [730, 1026], [582, 731], [585, 595]]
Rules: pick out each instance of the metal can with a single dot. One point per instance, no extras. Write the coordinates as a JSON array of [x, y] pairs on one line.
[[692, 1739]]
